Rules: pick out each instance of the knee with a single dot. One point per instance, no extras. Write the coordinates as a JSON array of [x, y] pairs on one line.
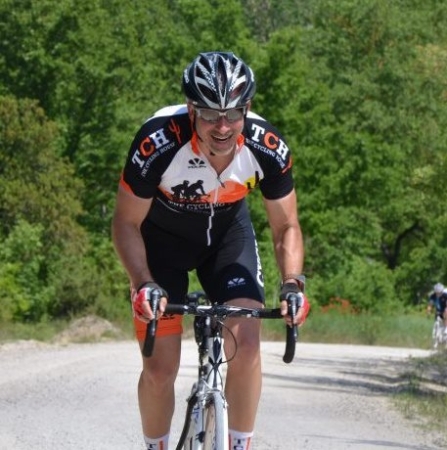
[[159, 374], [248, 351]]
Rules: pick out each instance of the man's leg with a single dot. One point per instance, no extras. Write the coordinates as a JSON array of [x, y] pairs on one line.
[[156, 386], [244, 376]]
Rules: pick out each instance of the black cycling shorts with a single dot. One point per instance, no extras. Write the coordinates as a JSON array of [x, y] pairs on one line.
[[228, 269]]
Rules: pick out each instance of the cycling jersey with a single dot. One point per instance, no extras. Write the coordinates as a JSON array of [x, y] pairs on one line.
[[198, 218], [189, 198], [439, 303]]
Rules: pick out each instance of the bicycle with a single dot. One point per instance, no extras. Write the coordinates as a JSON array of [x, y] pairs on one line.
[[439, 337], [206, 419]]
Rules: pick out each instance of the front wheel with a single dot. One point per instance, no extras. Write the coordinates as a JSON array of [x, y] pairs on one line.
[[190, 438], [215, 422], [437, 333]]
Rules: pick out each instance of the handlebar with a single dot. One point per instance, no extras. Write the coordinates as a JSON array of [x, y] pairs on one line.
[[149, 340], [222, 312], [294, 301]]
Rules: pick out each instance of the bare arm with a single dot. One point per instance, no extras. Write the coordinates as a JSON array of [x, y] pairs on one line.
[[286, 232], [130, 212], [287, 241]]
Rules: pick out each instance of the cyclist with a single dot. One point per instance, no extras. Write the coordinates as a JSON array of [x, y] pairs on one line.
[[437, 300], [213, 142]]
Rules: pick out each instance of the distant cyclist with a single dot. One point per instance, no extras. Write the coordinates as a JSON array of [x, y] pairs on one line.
[[437, 301]]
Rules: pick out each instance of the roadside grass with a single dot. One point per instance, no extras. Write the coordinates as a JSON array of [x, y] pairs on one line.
[[47, 331], [423, 394], [42, 331], [410, 330]]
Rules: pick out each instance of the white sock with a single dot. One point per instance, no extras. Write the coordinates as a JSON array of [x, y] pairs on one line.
[[240, 440], [157, 444]]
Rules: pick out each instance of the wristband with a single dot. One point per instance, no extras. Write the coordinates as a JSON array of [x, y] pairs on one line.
[[153, 285], [149, 283], [299, 278]]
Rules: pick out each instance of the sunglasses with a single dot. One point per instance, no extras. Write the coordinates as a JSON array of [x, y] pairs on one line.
[[213, 115]]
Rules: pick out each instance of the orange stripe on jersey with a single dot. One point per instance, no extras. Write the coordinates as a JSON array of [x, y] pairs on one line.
[[194, 143], [240, 141], [288, 166], [232, 192], [124, 185]]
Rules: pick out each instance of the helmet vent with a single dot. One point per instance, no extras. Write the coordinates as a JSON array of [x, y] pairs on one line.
[[218, 80]]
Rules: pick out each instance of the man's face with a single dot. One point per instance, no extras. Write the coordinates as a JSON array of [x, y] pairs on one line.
[[218, 130]]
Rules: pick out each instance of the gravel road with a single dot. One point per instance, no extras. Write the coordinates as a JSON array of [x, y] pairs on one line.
[[83, 397]]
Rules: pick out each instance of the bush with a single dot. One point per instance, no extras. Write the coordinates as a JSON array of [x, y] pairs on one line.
[[367, 285], [24, 297]]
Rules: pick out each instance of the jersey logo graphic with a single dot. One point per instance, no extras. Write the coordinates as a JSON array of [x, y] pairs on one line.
[[173, 126], [188, 192], [196, 163], [259, 274], [252, 182], [270, 143], [235, 282]]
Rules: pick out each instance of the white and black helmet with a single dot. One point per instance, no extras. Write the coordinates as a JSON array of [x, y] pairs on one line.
[[218, 80], [438, 288]]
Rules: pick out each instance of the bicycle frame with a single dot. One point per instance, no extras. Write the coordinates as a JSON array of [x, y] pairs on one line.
[[438, 333], [209, 341], [210, 347]]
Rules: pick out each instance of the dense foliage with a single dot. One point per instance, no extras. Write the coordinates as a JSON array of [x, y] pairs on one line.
[[356, 86]]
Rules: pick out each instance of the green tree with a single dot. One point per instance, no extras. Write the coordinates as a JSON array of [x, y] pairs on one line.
[[356, 86], [39, 206], [359, 112], [23, 293]]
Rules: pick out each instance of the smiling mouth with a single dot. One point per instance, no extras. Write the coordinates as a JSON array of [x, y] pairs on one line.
[[221, 138]]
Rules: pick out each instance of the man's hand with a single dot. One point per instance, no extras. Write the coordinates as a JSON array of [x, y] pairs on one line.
[[288, 289], [140, 301]]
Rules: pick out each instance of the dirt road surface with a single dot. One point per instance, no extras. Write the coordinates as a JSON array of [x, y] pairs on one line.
[[83, 397]]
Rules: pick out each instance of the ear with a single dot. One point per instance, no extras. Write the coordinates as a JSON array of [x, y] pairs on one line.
[[191, 111]]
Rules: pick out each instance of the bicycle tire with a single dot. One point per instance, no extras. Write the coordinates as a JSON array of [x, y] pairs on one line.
[[191, 442], [189, 439], [216, 422]]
